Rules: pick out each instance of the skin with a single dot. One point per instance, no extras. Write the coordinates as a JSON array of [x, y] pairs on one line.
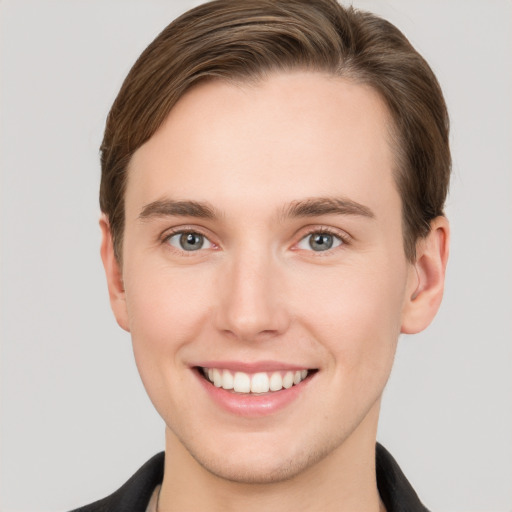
[[257, 290]]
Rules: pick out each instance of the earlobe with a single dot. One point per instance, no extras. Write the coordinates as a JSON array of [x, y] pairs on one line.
[[113, 274], [426, 279]]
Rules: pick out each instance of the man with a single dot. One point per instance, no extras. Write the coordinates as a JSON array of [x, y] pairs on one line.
[[273, 182]]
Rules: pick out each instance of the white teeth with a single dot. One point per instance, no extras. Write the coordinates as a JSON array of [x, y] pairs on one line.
[[217, 378], [227, 380], [276, 382], [261, 382], [288, 380], [242, 382]]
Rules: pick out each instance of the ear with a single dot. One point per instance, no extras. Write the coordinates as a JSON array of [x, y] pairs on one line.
[[426, 278], [114, 275]]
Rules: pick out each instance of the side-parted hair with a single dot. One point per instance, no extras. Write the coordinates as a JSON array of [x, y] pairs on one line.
[[246, 40]]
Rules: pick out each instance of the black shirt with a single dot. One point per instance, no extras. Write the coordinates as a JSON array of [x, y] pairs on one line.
[[395, 491]]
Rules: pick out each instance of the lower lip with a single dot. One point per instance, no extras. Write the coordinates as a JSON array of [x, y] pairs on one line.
[[253, 404]]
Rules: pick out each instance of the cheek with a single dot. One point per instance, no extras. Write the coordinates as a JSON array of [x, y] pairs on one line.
[[166, 309], [356, 312]]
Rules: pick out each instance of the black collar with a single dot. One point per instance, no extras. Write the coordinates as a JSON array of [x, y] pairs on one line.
[[395, 490]]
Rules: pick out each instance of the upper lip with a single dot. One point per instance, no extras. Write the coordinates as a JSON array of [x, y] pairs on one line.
[[252, 367]]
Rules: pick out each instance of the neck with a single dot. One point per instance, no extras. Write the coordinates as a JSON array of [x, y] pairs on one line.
[[343, 481]]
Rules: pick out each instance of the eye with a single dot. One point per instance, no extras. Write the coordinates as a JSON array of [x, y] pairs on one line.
[[320, 241], [189, 241]]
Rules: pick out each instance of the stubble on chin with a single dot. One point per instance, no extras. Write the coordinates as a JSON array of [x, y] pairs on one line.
[[243, 468]]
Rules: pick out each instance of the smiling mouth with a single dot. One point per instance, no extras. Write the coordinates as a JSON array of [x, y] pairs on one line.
[[254, 383]]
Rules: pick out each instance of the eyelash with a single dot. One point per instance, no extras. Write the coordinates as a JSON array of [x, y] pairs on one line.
[[184, 231], [344, 238]]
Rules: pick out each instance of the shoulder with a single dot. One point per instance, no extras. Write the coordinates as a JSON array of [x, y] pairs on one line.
[[135, 494]]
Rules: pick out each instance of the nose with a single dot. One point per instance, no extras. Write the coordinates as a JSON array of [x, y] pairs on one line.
[[252, 303]]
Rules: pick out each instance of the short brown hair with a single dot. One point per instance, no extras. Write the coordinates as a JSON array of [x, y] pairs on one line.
[[238, 40]]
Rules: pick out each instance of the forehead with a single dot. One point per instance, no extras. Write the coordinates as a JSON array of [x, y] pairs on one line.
[[289, 136]]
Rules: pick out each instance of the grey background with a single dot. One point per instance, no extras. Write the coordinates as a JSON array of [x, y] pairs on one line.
[[75, 420]]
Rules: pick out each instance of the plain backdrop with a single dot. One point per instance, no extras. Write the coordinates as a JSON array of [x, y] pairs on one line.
[[75, 420]]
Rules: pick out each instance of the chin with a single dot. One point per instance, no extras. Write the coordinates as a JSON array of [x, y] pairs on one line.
[[256, 471], [252, 465]]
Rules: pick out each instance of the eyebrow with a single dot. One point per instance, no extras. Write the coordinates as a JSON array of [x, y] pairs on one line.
[[316, 206], [310, 207], [169, 207]]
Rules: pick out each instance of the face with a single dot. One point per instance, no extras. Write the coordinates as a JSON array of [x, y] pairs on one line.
[[263, 250]]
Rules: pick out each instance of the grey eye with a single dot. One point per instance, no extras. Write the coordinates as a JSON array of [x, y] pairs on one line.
[[319, 242], [189, 241]]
